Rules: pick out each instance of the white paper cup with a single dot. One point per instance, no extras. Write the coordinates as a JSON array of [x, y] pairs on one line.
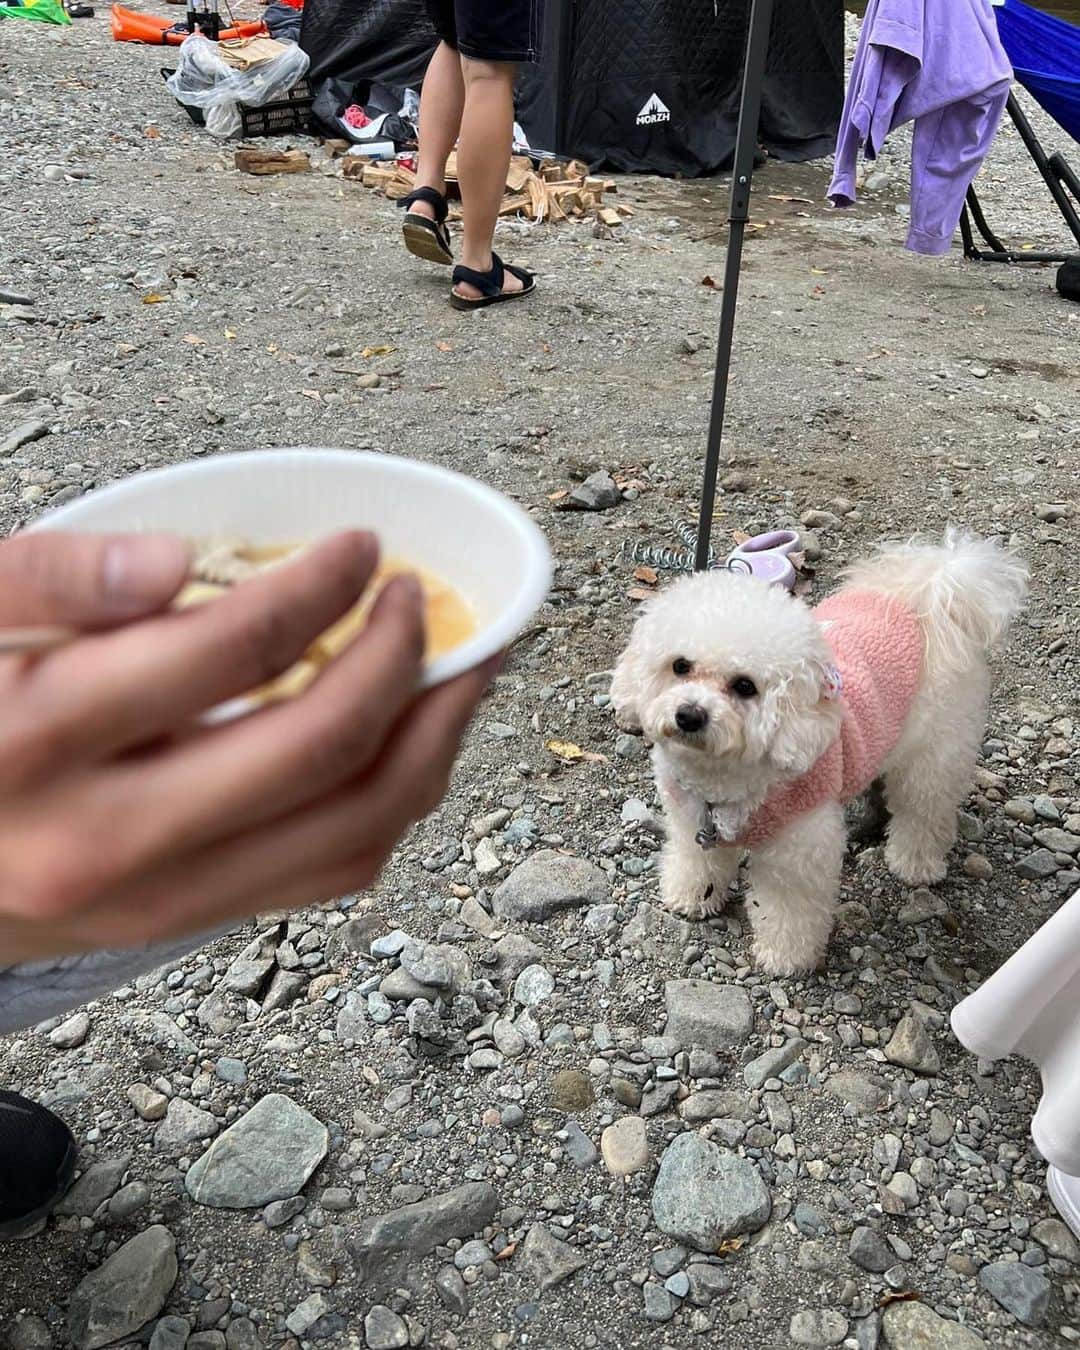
[[463, 532]]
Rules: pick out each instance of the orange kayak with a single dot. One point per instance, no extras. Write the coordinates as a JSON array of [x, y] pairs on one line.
[[128, 26]]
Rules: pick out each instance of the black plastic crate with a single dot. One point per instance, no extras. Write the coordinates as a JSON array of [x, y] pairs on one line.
[[283, 117]]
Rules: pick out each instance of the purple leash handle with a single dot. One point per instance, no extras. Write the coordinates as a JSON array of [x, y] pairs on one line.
[[765, 556]]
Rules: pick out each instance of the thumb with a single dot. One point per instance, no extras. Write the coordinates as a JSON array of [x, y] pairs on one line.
[[86, 579]]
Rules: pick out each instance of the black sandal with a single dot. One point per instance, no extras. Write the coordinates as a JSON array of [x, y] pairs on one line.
[[427, 239], [490, 284]]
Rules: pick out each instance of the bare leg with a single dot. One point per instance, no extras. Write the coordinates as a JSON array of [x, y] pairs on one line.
[[487, 136], [694, 881], [442, 102], [794, 883]]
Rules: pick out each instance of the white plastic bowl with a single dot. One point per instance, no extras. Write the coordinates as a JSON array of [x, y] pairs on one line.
[[467, 534]]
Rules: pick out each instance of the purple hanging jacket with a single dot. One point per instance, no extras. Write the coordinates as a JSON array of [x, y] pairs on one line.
[[941, 65]]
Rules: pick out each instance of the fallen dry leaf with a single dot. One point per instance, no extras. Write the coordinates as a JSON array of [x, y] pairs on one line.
[[908, 1296], [819, 271], [647, 574], [229, 334], [571, 753], [152, 134], [730, 1245], [154, 299], [558, 496], [384, 349], [445, 346], [507, 1252], [780, 197], [639, 593], [712, 285], [193, 340]]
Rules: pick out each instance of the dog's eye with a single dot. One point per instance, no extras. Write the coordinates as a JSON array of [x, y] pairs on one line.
[[681, 666], [743, 686]]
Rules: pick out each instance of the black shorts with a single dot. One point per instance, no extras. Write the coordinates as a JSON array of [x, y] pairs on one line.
[[490, 30]]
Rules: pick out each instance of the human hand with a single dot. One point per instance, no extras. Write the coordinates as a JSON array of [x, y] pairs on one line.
[[123, 821]]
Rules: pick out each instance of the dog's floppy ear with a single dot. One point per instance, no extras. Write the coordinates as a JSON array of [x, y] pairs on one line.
[[801, 717], [626, 685]]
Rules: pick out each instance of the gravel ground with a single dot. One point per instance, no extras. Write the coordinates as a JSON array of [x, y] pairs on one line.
[[468, 1110]]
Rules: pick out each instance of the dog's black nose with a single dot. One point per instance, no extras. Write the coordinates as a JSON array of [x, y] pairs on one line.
[[691, 718]]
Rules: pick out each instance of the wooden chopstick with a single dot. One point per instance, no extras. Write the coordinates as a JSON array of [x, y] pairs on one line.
[[32, 641]]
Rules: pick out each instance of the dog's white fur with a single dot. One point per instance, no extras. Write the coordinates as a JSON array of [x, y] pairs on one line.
[[964, 592]]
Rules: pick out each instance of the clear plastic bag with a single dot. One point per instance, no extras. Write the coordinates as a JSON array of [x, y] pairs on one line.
[[203, 80]]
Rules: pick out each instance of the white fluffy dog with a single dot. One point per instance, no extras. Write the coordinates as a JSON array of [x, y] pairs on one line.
[[766, 716]]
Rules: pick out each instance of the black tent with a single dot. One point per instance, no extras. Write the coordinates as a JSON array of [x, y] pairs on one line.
[[647, 86]]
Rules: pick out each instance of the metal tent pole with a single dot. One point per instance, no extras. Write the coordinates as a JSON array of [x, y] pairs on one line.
[[757, 48]]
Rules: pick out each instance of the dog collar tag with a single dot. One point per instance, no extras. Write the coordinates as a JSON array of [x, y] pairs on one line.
[[708, 836]]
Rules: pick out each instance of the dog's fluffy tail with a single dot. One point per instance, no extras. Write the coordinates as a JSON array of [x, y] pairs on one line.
[[965, 591]]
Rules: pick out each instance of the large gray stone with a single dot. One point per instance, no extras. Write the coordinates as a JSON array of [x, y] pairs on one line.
[[715, 1016], [914, 1326], [1019, 1289], [910, 1046], [1037, 866], [171, 1333], [547, 883], [704, 1194], [421, 1227], [125, 1292], [184, 1125], [30, 1333], [94, 1187], [545, 1260], [1058, 1240], [384, 1329], [870, 1251], [772, 1063], [268, 1154], [865, 1094], [818, 1327], [599, 492]]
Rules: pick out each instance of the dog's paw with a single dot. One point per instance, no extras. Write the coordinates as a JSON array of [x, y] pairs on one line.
[[913, 866], [776, 959], [695, 904]]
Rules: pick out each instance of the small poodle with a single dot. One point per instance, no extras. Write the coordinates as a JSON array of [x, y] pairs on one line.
[[766, 716]]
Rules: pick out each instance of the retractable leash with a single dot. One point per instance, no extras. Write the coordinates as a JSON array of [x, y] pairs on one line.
[[765, 556]]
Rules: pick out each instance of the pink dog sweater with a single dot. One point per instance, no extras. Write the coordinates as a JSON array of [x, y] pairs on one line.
[[877, 645]]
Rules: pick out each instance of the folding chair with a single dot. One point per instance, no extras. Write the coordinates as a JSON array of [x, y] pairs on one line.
[[1045, 54]]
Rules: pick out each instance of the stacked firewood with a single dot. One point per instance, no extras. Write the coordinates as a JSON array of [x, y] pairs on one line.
[[556, 191]]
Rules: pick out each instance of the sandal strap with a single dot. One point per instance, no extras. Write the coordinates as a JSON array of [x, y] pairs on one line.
[[487, 283], [431, 198]]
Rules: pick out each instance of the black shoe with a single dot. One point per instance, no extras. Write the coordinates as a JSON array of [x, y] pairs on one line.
[[37, 1162]]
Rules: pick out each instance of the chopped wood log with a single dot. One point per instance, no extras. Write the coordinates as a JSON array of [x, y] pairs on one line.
[[552, 171], [575, 169], [378, 176], [519, 173], [250, 160], [608, 217], [402, 183], [352, 166], [538, 197], [514, 202], [568, 198]]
